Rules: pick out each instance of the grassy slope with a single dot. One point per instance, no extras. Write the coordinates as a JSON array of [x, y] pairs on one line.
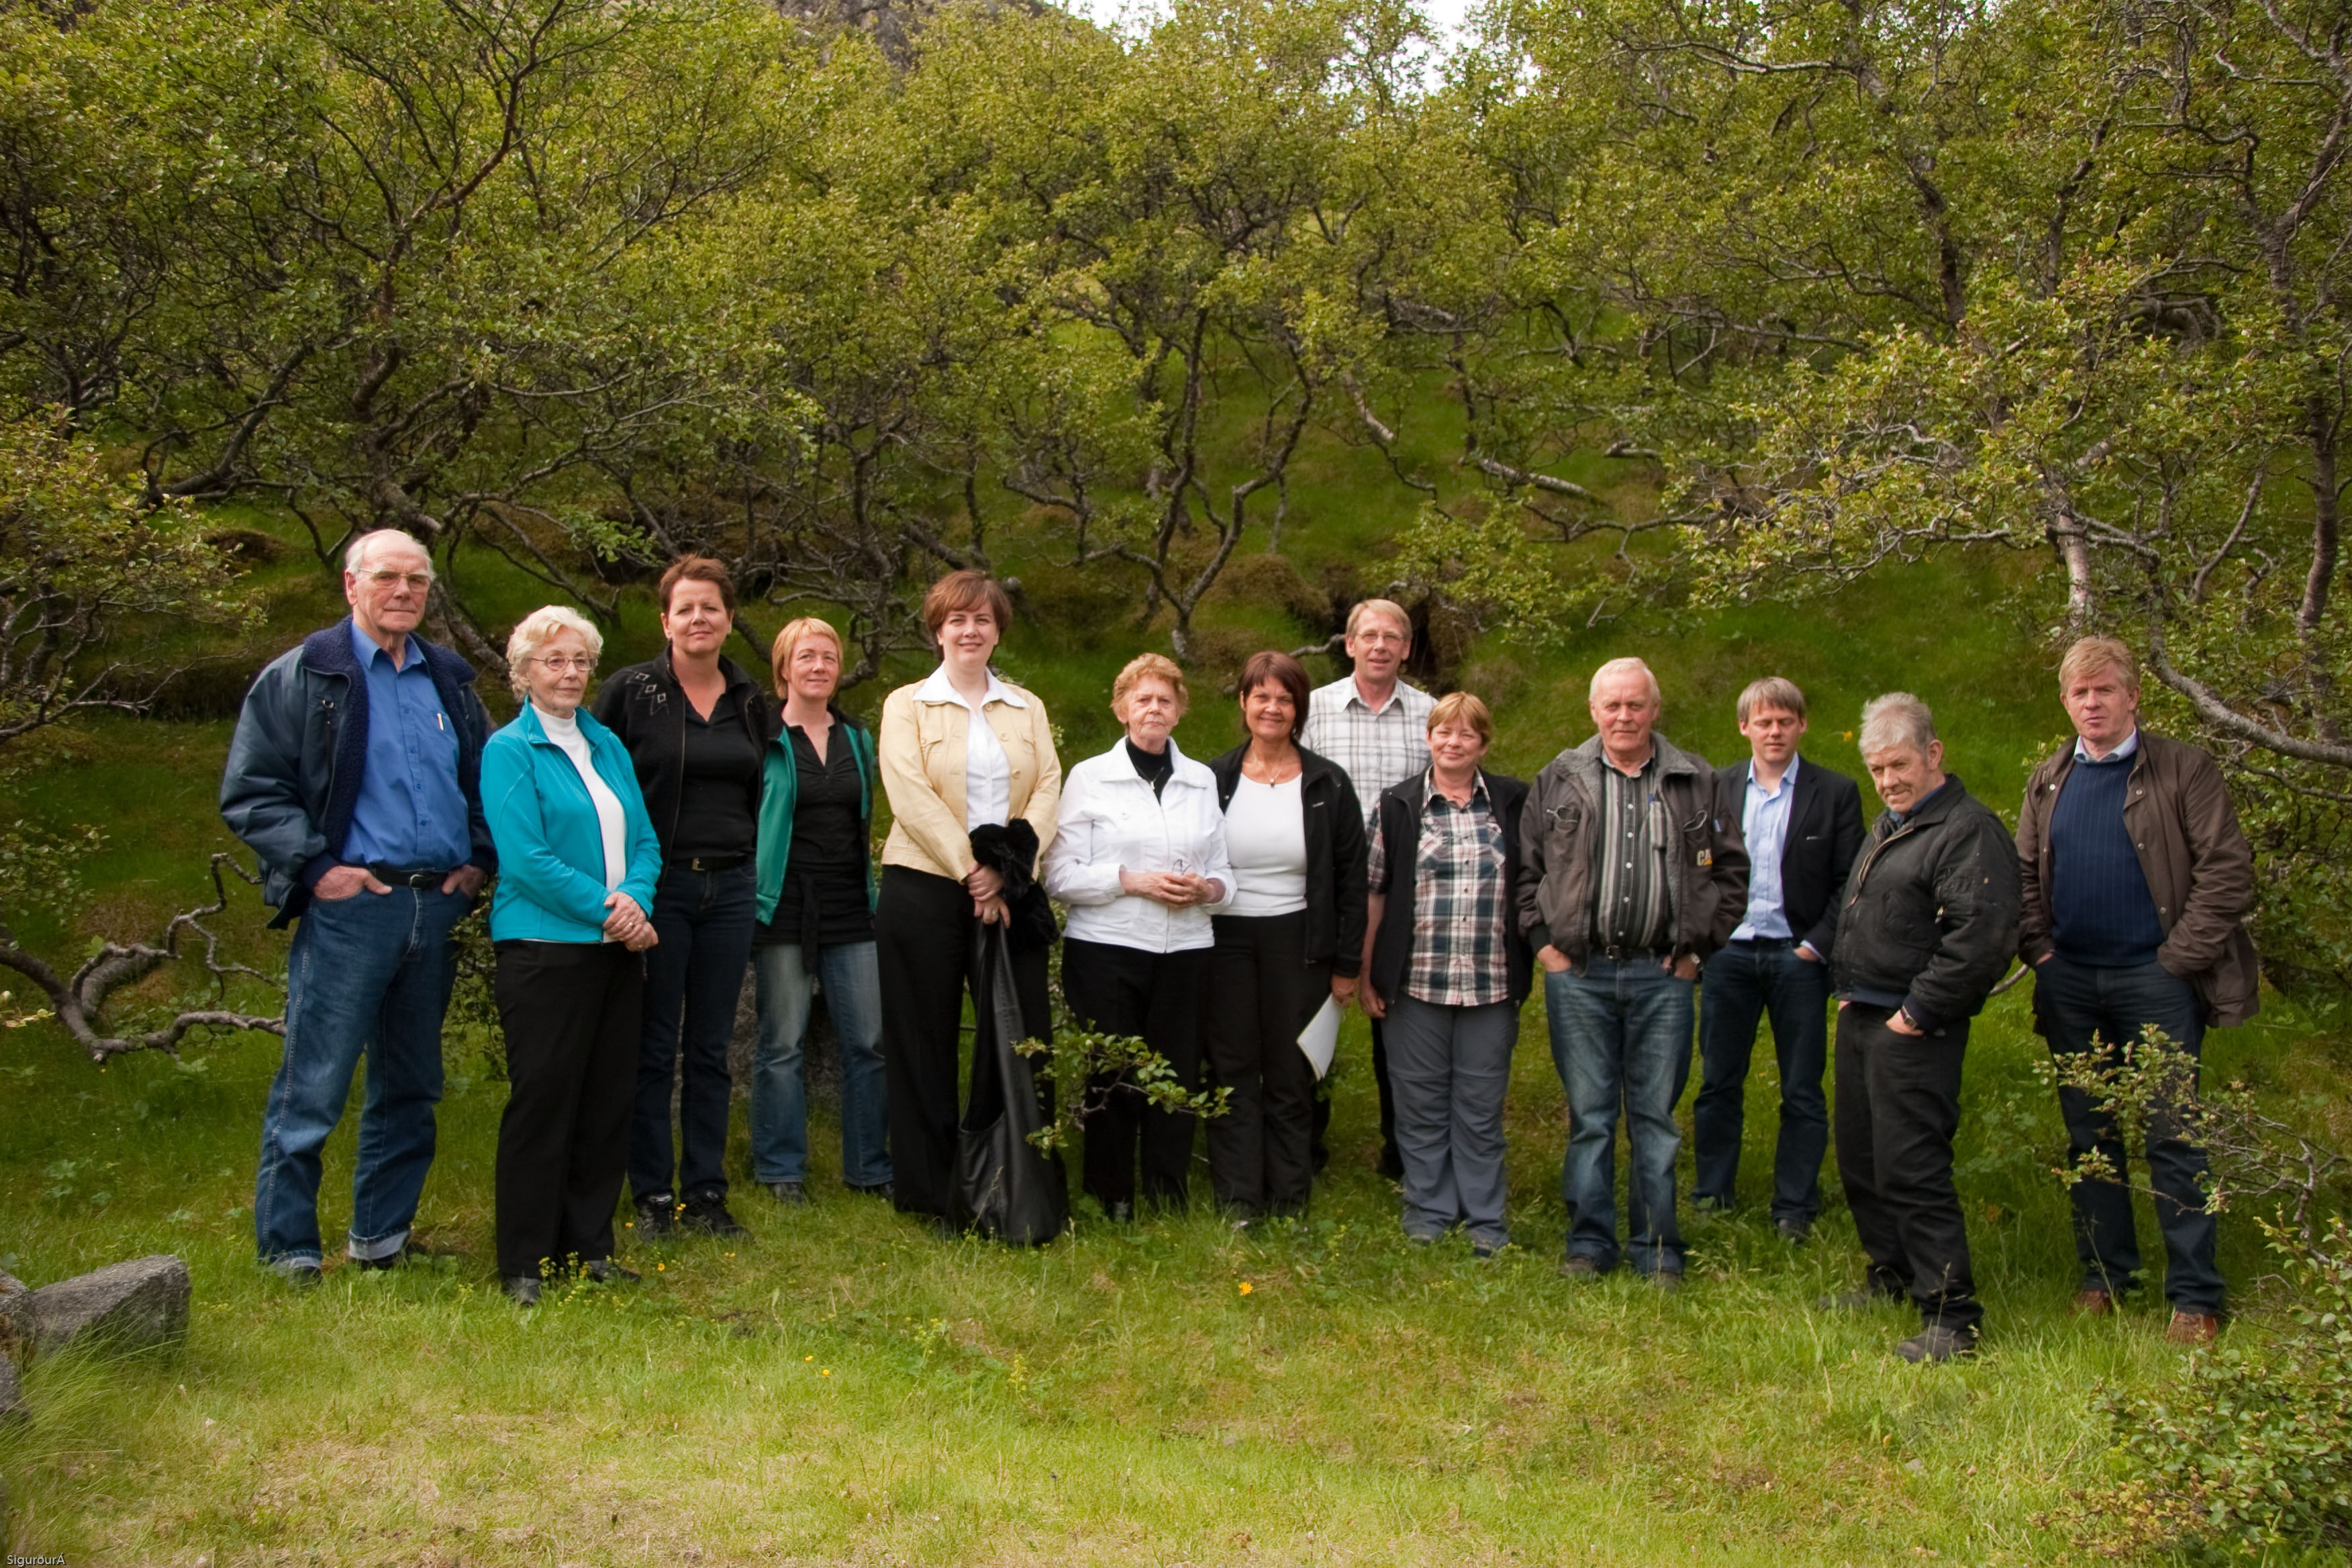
[[843, 1388]]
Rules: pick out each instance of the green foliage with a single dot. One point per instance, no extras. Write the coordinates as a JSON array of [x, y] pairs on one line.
[[1086, 1067]]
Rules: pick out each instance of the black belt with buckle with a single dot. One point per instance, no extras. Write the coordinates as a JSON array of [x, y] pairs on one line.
[[408, 876], [716, 862], [1630, 955]]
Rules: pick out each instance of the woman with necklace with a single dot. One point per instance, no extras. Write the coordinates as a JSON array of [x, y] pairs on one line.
[[695, 725], [1292, 937]]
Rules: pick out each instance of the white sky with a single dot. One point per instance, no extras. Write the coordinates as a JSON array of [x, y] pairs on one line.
[[1446, 14]]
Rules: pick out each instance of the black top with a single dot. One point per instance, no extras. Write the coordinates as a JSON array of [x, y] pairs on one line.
[[1155, 768], [644, 706], [1928, 916], [824, 902], [718, 782]]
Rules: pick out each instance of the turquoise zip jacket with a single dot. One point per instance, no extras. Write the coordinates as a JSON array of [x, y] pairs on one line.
[[782, 776], [550, 849]]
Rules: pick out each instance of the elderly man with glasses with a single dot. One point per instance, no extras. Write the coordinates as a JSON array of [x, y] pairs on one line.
[[354, 775]]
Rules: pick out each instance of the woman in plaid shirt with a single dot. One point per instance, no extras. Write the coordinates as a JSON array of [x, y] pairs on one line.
[[1445, 965]]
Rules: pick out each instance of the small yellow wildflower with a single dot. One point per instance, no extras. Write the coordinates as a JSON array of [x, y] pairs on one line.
[[1248, 1287]]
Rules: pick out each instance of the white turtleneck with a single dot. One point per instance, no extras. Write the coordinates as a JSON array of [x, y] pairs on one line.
[[564, 730]]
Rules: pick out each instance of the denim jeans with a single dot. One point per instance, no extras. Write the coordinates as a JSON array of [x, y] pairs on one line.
[[693, 976], [1744, 982], [2077, 1002], [368, 974], [1621, 1033], [853, 996]]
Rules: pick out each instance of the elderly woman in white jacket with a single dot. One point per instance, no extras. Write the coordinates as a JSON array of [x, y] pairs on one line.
[[1139, 859]]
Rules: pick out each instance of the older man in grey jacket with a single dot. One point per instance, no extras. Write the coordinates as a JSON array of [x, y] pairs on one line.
[[1632, 872]]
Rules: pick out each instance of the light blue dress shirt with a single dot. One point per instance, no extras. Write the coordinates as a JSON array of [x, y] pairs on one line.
[[1764, 823], [410, 811]]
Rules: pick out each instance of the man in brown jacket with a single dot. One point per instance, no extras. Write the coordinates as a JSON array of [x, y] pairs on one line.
[[2136, 880]]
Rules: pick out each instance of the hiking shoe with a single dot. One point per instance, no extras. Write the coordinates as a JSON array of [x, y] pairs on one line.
[[705, 1213], [1793, 1231], [656, 1216], [2194, 1328], [604, 1271], [302, 1276], [520, 1289], [793, 1194], [1666, 1279], [2093, 1302], [876, 1190], [1935, 1344], [1576, 1266], [1487, 1246]]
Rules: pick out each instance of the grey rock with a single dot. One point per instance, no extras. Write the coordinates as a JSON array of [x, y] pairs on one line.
[[129, 1305], [12, 1392]]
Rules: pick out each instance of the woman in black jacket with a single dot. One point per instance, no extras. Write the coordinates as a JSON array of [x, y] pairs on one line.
[[697, 727], [1293, 937], [1446, 966]]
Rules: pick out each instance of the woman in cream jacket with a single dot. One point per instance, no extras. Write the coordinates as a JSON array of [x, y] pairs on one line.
[[945, 775]]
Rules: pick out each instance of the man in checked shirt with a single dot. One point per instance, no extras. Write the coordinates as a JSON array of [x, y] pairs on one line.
[[1632, 872], [1376, 728]]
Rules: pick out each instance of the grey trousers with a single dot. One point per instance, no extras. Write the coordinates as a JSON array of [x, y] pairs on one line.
[[1450, 1067]]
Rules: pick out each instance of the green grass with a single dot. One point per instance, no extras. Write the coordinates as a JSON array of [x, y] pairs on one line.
[[843, 1388]]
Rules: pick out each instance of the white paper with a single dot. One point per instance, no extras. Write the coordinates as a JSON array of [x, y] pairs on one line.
[[1321, 1036]]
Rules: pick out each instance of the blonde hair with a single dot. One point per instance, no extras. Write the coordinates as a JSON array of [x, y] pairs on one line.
[[1896, 719], [533, 632], [1150, 666], [1623, 666], [1772, 691], [788, 641], [1387, 607], [2091, 655], [1461, 708]]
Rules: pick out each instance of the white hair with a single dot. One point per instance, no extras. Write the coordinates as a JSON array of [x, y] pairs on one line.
[[355, 556], [535, 630], [1896, 719], [1623, 666]]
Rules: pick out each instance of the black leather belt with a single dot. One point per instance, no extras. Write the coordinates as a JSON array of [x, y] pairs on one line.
[[1763, 941], [1631, 954], [716, 862], [407, 876]]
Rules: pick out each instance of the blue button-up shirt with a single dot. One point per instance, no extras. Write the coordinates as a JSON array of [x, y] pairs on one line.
[[1764, 823], [410, 811]]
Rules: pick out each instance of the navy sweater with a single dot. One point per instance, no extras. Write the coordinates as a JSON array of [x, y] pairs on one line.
[[2101, 912]]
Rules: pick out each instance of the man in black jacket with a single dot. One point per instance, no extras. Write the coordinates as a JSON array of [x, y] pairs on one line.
[[1802, 826], [1925, 926]]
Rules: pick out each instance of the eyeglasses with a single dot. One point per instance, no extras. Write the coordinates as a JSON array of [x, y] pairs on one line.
[[417, 582], [564, 663]]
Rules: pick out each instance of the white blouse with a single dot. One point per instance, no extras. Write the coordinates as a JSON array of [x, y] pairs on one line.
[[987, 771], [1266, 834], [611, 821], [1110, 819]]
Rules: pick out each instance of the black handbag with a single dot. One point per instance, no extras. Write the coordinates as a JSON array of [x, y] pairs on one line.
[[1006, 1187]]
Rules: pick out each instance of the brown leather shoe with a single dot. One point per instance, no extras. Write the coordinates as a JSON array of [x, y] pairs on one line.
[[2093, 1302], [2194, 1329]]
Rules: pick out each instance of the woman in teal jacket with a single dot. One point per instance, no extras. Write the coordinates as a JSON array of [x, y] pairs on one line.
[[815, 908], [578, 860]]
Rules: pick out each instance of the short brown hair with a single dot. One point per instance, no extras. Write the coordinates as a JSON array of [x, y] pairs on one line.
[[697, 568], [2091, 655], [1274, 668], [1461, 708], [1146, 666], [780, 652], [970, 589], [1772, 691]]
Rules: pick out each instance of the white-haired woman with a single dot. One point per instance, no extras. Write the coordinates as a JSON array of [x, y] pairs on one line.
[[1139, 859], [577, 864]]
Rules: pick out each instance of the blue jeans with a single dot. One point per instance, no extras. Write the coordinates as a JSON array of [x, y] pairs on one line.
[[853, 994], [368, 974], [693, 976], [1743, 982], [2077, 1003], [1621, 1033]]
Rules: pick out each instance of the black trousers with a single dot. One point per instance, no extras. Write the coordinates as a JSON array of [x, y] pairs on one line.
[[1899, 1104], [1127, 991], [573, 1013], [1262, 994], [922, 934], [1390, 1163]]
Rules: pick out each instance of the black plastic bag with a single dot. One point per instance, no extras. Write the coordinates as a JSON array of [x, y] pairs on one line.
[[1006, 1187]]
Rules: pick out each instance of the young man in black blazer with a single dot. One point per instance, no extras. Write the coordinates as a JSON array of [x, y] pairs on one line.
[[1802, 826]]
